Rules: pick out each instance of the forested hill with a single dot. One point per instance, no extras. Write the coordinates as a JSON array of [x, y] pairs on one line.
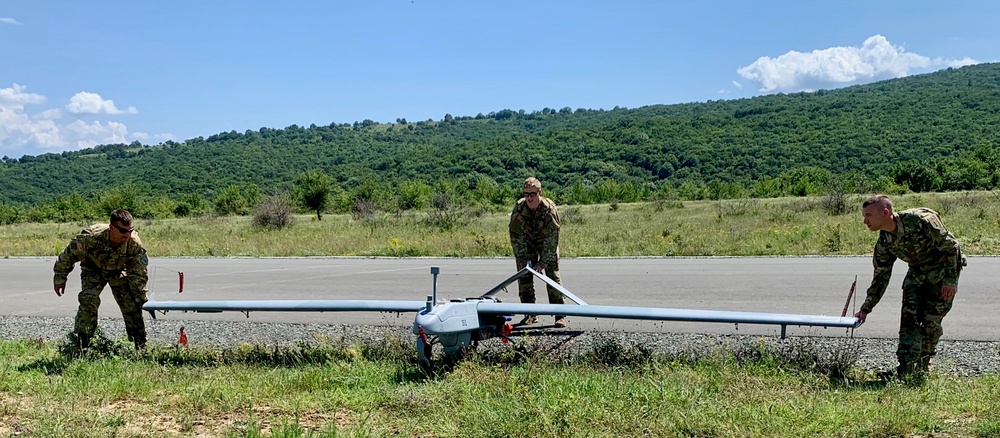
[[935, 131]]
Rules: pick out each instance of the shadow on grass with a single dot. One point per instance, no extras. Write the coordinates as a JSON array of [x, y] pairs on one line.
[[49, 366], [70, 349]]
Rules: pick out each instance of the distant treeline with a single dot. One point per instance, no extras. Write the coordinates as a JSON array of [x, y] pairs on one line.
[[482, 193], [933, 132]]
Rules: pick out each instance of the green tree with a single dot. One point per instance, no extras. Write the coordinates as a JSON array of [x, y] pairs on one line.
[[131, 197], [191, 204], [9, 214], [312, 189], [231, 201], [413, 195]]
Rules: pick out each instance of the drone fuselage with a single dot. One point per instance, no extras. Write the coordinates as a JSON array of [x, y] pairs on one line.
[[457, 323]]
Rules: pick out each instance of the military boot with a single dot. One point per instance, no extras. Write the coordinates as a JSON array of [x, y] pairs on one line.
[[926, 363], [83, 340], [137, 335], [911, 373], [528, 320], [80, 342], [906, 369]]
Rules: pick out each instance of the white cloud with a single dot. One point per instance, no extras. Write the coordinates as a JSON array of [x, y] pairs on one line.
[[738, 85], [147, 138], [33, 132], [18, 131], [17, 128], [93, 134], [92, 103], [8, 20], [16, 96], [955, 63], [876, 59]]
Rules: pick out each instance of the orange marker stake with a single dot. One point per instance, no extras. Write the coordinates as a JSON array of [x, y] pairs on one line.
[[849, 296]]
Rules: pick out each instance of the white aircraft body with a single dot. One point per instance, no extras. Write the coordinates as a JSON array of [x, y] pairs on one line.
[[459, 324]]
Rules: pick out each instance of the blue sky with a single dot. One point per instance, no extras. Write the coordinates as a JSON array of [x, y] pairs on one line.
[[79, 74]]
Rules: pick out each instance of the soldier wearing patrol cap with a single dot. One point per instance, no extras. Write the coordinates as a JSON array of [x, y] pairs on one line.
[[534, 237], [109, 254], [918, 237]]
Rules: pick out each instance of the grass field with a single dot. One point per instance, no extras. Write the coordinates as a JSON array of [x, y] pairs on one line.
[[366, 391], [744, 227], [369, 391]]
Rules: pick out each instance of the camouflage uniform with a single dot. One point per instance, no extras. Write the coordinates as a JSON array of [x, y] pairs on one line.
[[935, 259], [101, 263], [534, 236]]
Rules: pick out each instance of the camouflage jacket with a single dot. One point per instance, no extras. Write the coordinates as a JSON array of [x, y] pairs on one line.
[[922, 241], [93, 249], [535, 231]]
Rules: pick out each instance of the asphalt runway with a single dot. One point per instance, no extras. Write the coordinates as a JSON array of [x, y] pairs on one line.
[[805, 285]]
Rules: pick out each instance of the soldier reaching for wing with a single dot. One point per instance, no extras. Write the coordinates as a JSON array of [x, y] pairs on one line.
[[918, 237], [108, 254]]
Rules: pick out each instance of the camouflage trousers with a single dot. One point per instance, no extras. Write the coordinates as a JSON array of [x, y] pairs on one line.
[[920, 322], [526, 284], [129, 301]]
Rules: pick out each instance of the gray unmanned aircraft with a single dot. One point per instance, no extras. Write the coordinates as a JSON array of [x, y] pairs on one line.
[[459, 324]]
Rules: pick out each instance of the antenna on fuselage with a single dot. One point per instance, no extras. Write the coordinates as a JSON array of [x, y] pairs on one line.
[[432, 299]]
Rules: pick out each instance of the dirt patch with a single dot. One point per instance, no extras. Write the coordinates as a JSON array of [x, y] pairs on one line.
[[9, 408], [265, 418], [139, 421]]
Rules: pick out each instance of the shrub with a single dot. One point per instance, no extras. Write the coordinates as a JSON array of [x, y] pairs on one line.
[[835, 202], [738, 207], [445, 215], [131, 197], [231, 201], [274, 213], [191, 204], [363, 208], [572, 215], [413, 195], [8, 214]]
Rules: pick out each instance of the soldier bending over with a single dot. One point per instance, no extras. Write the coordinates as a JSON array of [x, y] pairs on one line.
[[918, 237], [108, 254]]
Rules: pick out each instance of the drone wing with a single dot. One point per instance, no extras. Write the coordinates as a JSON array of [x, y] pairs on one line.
[[285, 306], [664, 314]]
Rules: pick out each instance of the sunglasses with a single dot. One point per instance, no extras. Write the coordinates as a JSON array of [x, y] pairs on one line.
[[123, 230], [529, 194]]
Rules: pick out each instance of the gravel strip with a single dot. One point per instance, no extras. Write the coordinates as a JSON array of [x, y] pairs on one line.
[[962, 358]]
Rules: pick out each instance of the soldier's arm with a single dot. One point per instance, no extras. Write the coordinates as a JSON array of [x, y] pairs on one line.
[[948, 245], [74, 252], [138, 271], [550, 245], [137, 266], [518, 244], [882, 260]]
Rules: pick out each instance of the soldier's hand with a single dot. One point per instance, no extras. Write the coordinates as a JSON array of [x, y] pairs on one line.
[[948, 291], [60, 289], [540, 267], [862, 315]]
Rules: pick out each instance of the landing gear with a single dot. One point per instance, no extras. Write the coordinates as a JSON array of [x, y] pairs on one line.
[[424, 352], [457, 346]]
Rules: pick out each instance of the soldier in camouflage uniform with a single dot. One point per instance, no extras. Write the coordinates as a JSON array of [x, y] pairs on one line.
[[918, 237], [108, 254], [534, 237]]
